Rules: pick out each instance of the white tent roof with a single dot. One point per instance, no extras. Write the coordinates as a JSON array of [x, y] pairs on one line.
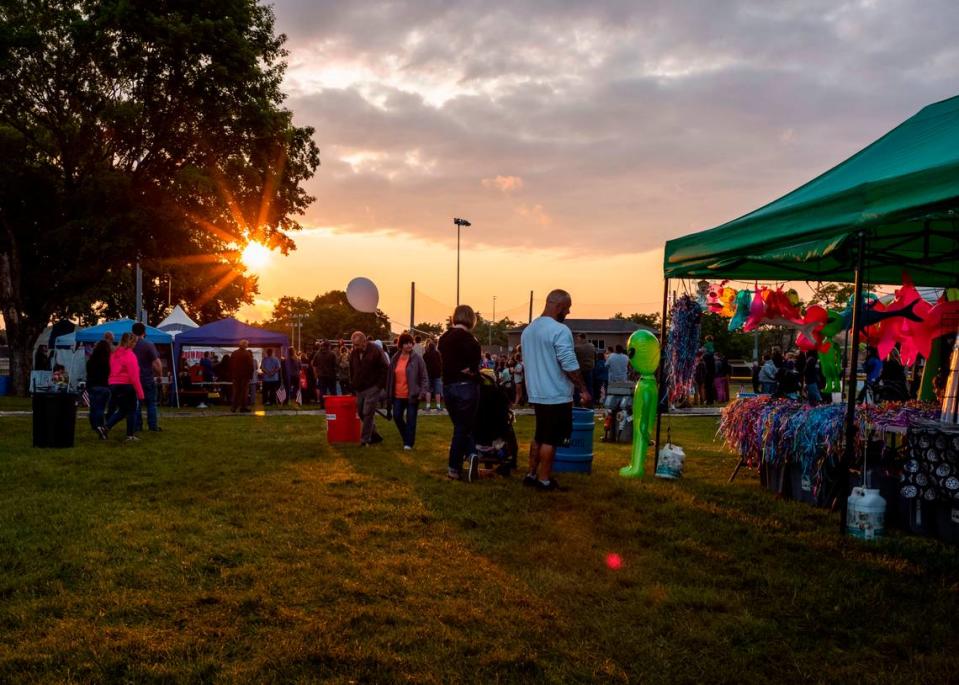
[[178, 319]]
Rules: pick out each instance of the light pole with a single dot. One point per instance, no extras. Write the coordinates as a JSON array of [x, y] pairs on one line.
[[491, 322], [460, 223], [297, 324]]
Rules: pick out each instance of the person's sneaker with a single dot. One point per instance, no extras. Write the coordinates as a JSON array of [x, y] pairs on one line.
[[156, 430], [407, 447], [473, 473], [364, 444], [452, 474], [549, 486], [530, 480], [377, 438], [132, 438], [102, 432]]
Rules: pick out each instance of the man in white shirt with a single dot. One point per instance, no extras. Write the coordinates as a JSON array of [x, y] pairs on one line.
[[551, 374]]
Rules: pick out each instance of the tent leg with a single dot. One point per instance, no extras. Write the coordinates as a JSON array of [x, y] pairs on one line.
[[849, 446], [663, 390], [173, 373]]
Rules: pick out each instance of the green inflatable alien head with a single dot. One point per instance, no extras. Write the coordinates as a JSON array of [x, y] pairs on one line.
[[643, 352]]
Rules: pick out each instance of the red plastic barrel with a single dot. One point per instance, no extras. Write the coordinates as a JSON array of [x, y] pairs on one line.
[[342, 424]]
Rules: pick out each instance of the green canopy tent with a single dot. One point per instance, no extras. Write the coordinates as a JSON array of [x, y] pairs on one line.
[[892, 206], [901, 192]]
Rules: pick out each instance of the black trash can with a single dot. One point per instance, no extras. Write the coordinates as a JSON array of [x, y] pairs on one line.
[[54, 419]]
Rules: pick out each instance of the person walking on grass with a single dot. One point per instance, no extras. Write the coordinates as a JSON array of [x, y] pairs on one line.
[[519, 378], [552, 373], [407, 384], [434, 367], [368, 371], [270, 366], [98, 385], [461, 356], [125, 387], [242, 367], [150, 369]]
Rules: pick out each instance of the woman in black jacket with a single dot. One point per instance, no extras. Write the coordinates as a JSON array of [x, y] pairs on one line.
[[461, 355], [98, 385]]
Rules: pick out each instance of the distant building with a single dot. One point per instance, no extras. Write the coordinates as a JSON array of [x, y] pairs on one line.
[[603, 333]]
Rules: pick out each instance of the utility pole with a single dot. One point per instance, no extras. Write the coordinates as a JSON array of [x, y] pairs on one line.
[[491, 322], [412, 305], [139, 290], [460, 223], [530, 307]]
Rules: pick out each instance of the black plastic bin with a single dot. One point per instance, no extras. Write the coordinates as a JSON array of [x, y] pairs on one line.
[[54, 419]]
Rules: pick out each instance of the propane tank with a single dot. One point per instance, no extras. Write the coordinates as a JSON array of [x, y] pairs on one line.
[[865, 514]]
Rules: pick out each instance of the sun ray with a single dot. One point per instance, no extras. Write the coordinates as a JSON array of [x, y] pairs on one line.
[[223, 235], [212, 258], [215, 289], [269, 186]]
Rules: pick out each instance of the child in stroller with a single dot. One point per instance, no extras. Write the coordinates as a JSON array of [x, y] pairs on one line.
[[495, 440]]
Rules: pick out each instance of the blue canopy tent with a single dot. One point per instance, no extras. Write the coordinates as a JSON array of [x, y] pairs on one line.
[[118, 328], [229, 332]]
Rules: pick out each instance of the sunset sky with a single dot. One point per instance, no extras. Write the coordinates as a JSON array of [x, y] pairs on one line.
[[576, 136]]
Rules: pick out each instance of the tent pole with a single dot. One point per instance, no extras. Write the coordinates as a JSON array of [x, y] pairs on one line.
[[661, 374], [173, 372], [849, 447]]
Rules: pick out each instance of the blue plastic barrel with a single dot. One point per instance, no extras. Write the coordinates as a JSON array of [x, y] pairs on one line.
[[577, 457], [6, 383]]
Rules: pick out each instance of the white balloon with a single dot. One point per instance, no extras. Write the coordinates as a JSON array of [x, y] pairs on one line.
[[362, 294]]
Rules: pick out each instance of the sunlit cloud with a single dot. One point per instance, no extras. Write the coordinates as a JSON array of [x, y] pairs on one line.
[[505, 183]]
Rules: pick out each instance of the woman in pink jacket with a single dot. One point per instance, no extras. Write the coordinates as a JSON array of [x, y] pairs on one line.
[[125, 387]]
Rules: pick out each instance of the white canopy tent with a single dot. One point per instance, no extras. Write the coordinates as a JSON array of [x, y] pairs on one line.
[[177, 322]]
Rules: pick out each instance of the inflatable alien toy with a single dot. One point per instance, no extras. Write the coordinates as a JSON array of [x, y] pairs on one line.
[[643, 352]]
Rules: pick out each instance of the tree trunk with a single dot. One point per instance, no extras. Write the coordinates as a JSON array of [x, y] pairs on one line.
[[21, 330]]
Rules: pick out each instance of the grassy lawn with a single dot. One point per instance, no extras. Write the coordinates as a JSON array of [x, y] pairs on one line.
[[247, 549]]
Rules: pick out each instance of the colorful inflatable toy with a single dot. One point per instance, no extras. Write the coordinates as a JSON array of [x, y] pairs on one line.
[[643, 352]]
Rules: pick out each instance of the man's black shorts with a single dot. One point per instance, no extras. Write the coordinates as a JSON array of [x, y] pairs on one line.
[[554, 423]]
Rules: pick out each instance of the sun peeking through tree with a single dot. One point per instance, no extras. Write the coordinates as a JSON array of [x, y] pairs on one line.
[[130, 130]]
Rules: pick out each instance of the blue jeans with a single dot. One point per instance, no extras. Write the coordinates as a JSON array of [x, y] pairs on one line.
[[99, 399], [126, 407], [150, 400], [404, 416], [462, 403]]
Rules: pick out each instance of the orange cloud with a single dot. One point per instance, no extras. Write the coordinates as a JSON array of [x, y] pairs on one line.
[[505, 183]]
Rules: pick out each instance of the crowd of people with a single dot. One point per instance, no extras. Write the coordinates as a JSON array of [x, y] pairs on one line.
[[550, 371], [798, 375], [122, 383]]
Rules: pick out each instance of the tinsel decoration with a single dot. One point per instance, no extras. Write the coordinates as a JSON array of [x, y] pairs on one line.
[[685, 321], [785, 431]]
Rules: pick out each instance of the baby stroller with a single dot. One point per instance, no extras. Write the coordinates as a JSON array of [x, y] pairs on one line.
[[495, 440], [619, 412]]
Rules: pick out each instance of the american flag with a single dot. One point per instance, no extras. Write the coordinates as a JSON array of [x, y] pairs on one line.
[[85, 398], [281, 395]]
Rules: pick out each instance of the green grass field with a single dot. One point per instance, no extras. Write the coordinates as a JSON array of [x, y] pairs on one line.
[[245, 549]]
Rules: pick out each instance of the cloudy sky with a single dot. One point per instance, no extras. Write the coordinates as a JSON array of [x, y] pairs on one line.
[[576, 136]]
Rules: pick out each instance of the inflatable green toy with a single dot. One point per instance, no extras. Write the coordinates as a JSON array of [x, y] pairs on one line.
[[830, 363], [643, 352]]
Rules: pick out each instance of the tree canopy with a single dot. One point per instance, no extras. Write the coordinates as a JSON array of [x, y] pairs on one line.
[[133, 127], [327, 316]]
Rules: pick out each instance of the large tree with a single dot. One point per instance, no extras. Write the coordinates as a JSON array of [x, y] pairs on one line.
[[139, 127], [327, 316]]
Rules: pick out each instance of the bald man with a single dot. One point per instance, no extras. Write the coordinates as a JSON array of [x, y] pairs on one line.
[[552, 372], [368, 369]]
